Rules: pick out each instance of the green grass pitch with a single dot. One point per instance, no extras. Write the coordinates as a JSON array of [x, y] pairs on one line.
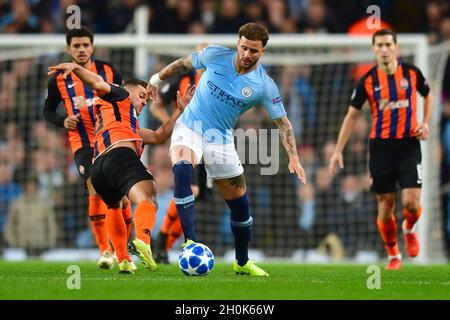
[[48, 280]]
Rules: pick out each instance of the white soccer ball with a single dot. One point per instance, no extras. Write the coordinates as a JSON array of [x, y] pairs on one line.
[[196, 259]]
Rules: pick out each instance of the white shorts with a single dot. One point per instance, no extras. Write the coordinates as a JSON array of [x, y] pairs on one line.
[[221, 160]]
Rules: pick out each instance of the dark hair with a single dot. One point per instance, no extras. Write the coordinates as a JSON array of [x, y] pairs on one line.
[[81, 32], [135, 82], [384, 32], [253, 31]]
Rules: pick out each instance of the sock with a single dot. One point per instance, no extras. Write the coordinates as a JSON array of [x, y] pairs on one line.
[[241, 225], [184, 198], [411, 217], [170, 217], [174, 233], [388, 231], [128, 218], [117, 230], [97, 215], [144, 220]]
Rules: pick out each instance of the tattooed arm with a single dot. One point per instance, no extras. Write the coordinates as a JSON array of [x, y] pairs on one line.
[[287, 136], [177, 67], [288, 139]]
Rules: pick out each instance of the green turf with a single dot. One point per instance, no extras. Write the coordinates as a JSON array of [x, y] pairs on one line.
[[47, 280]]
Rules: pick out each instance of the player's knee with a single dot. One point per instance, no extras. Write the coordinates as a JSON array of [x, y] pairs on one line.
[[386, 202], [151, 200], [411, 202], [411, 205], [147, 196]]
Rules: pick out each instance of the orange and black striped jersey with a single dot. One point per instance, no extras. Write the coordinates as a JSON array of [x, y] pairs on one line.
[[116, 121], [190, 79], [78, 98], [392, 99]]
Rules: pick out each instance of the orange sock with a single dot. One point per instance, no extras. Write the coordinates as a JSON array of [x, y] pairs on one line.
[[118, 233], [411, 218], [175, 231], [97, 215], [144, 220], [388, 231], [170, 217], [128, 218]]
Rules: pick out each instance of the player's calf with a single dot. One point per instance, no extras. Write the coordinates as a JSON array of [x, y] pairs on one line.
[[412, 245]]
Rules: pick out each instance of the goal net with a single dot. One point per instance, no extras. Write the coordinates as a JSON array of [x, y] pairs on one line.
[[328, 219]]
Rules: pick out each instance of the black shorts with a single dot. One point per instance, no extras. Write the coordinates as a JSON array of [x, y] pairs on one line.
[[114, 173], [83, 160], [393, 161]]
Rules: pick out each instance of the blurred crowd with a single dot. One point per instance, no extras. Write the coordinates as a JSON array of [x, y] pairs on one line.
[[37, 169], [225, 16]]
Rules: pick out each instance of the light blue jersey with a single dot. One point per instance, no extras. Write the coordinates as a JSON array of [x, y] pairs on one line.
[[222, 95]]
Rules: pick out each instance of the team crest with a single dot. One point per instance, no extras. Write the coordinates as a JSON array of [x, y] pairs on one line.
[[78, 102], [246, 92], [404, 84]]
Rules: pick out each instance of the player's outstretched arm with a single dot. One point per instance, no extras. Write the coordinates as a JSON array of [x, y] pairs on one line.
[[160, 136], [177, 67], [288, 138], [344, 134], [93, 80]]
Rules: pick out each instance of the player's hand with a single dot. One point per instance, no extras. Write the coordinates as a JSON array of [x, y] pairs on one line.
[[67, 67], [295, 166], [71, 122], [422, 132], [336, 157], [152, 92], [183, 101]]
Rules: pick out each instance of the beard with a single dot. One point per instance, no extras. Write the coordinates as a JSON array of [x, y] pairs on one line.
[[247, 66], [82, 61]]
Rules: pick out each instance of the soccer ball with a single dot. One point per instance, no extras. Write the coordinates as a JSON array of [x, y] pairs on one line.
[[196, 259]]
